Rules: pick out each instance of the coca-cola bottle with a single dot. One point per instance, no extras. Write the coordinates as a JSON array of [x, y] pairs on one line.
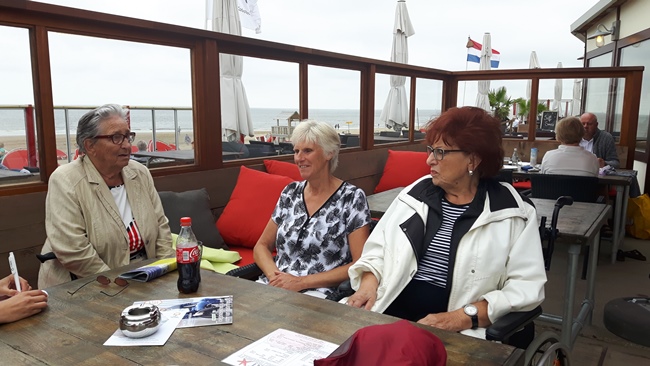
[[188, 258]]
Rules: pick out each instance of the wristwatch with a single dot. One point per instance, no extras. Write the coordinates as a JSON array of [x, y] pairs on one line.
[[472, 312]]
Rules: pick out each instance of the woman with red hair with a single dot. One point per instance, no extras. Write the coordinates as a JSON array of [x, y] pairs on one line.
[[456, 249]]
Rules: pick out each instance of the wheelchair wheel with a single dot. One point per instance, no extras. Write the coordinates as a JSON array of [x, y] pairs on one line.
[[546, 349]]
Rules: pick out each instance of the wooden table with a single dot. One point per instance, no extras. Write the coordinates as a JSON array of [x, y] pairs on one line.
[[379, 202], [580, 223], [183, 156], [11, 176], [622, 184], [73, 329]]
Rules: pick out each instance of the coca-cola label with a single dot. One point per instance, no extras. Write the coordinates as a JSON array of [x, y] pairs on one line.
[[187, 255]]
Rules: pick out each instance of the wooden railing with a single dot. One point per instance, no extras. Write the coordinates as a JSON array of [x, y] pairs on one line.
[[205, 46]]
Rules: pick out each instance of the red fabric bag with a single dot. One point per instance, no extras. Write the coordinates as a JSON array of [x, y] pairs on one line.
[[396, 344]]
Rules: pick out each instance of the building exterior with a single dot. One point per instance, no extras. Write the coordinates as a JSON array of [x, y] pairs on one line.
[[626, 43]]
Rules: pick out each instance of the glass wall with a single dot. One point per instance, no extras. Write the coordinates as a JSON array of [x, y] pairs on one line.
[[271, 89], [596, 97], [637, 55], [392, 108], [428, 104], [335, 98], [16, 94], [88, 72]]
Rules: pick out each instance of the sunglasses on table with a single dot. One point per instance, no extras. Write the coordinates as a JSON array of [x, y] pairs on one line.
[[118, 138], [105, 281]]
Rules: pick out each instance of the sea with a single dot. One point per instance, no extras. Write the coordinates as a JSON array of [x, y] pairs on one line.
[[12, 121]]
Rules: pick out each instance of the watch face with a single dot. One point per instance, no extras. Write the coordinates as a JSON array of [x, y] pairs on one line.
[[471, 310]]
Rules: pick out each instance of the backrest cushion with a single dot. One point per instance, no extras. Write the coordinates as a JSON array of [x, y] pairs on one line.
[[195, 204], [402, 168], [283, 168], [250, 206]]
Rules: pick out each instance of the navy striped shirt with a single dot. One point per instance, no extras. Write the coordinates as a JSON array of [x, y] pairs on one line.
[[434, 266]]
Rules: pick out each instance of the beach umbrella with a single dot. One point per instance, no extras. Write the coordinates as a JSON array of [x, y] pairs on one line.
[[395, 112], [532, 64], [557, 94], [482, 100], [577, 97], [235, 112]]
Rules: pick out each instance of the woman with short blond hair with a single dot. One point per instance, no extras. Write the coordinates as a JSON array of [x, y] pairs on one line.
[[570, 158]]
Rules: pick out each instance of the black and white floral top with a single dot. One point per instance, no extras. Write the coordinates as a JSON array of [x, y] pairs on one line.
[[307, 245]]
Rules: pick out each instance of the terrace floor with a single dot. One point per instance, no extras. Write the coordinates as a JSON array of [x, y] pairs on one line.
[[596, 345]]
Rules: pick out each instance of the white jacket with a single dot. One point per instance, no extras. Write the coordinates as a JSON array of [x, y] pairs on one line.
[[498, 259]]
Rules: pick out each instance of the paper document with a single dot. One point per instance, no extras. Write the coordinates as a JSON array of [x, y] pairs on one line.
[[168, 322], [201, 311], [282, 348]]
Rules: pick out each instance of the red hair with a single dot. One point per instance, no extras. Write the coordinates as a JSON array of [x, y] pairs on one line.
[[473, 130]]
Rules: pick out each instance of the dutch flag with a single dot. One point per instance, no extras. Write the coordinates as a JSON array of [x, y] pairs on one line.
[[474, 53]]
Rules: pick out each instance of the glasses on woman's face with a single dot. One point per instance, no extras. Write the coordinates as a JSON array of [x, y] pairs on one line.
[[118, 138], [439, 153], [105, 281]]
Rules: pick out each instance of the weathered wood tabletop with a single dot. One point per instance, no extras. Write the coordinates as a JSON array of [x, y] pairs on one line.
[[73, 329]]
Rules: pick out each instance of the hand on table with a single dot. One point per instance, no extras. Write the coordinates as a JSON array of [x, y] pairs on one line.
[[452, 321], [366, 295], [286, 281], [22, 305]]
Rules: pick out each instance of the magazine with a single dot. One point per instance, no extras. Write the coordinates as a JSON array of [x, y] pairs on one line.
[[150, 271], [202, 311]]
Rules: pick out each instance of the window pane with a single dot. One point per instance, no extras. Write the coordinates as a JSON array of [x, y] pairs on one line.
[[15, 71], [636, 55], [428, 104], [334, 97], [271, 89], [88, 72], [392, 101]]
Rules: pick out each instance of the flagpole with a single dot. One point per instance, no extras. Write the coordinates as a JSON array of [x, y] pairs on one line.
[[466, 65]]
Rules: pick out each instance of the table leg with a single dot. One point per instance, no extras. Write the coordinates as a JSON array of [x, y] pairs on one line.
[[591, 276], [618, 222], [569, 294]]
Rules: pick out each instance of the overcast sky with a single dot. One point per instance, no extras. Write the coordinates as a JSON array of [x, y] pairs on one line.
[[362, 28]]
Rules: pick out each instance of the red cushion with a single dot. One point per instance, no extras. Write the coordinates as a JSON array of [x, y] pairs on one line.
[[402, 168], [522, 185], [246, 255], [283, 168], [250, 206]]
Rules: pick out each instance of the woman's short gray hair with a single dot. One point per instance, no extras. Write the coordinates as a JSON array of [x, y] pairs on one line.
[[88, 126], [569, 130], [323, 135]]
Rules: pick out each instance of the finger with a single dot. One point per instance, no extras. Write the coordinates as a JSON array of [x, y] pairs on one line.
[[370, 303]]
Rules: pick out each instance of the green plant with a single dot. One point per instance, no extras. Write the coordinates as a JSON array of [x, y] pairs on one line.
[[523, 108], [500, 103]]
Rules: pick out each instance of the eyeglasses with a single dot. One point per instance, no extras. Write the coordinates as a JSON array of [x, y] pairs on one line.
[[105, 281], [439, 153], [118, 138]]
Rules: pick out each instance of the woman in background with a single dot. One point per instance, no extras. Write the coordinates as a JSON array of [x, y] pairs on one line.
[[570, 158]]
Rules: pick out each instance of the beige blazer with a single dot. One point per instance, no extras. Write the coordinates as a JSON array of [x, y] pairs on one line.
[[83, 225]]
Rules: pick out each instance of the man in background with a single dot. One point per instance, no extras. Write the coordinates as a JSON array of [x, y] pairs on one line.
[[600, 143]]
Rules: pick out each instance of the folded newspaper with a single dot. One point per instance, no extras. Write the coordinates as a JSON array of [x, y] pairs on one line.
[[150, 271]]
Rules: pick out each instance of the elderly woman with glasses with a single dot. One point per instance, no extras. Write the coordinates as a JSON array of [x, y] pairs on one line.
[[102, 210], [457, 249]]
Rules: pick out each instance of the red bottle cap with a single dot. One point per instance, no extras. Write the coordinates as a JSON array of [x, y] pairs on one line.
[[186, 221]]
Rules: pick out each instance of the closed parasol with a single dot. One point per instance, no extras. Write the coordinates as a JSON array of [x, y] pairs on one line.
[[395, 112], [235, 112]]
